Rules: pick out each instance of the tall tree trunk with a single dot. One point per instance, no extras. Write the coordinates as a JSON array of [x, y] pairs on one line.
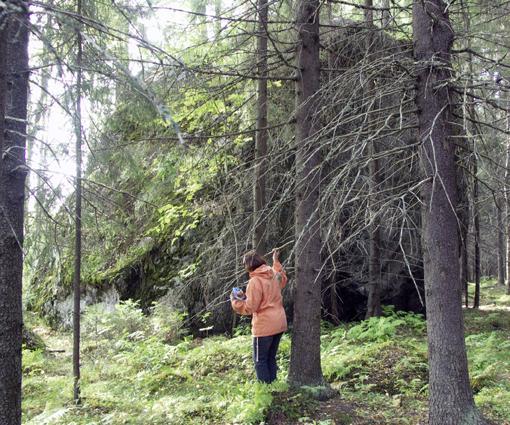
[[77, 217], [261, 135], [333, 293], [476, 230], [470, 130], [13, 118], [305, 361], [507, 202], [374, 262], [464, 264], [501, 244], [450, 397], [463, 214]]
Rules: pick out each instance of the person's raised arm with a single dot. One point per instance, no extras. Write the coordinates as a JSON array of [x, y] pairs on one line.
[[278, 269]]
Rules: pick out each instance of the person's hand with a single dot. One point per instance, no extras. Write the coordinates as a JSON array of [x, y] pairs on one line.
[[276, 255], [237, 294]]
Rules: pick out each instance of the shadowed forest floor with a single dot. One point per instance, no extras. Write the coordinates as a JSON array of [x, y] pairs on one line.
[[130, 375]]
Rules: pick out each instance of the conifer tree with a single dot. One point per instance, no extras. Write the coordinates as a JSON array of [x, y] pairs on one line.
[[13, 122], [305, 362], [450, 396]]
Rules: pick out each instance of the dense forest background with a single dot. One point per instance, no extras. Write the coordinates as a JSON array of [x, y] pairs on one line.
[[368, 141], [169, 139]]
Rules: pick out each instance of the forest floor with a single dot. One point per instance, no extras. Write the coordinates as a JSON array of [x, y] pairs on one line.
[[130, 375]]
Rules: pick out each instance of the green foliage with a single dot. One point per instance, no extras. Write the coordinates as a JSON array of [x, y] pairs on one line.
[[375, 329], [32, 341], [33, 362], [254, 411], [209, 382], [148, 216], [490, 370], [132, 369], [381, 354], [167, 323], [385, 327], [126, 321]]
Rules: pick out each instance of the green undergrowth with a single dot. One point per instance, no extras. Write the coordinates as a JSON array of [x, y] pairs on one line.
[[146, 370]]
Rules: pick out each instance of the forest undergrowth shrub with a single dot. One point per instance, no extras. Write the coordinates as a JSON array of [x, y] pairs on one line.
[[47, 385], [385, 327], [380, 367], [207, 381], [126, 320], [490, 370], [167, 323], [383, 354], [484, 321], [33, 362]]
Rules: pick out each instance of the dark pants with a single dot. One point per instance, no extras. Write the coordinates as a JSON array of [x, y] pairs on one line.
[[264, 356]]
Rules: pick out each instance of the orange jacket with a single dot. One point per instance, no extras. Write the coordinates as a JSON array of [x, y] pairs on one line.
[[264, 300]]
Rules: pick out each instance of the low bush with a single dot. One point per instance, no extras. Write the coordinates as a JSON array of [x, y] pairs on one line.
[[144, 369]]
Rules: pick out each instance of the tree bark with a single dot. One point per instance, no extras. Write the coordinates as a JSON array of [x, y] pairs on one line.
[[475, 207], [507, 207], [450, 397], [261, 135], [374, 262], [464, 266], [333, 293], [77, 216], [305, 361], [463, 214], [476, 230], [13, 117], [501, 244]]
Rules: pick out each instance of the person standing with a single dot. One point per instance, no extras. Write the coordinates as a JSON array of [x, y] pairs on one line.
[[263, 301]]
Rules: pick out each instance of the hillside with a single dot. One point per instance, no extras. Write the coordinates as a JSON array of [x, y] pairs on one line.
[[145, 370]]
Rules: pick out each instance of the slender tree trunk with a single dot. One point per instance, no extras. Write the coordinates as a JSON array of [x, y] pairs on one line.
[[507, 202], [13, 172], [333, 293], [218, 8], [305, 361], [386, 13], [450, 397], [261, 135], [476, 229], [463, 214], [501, 244], [374, 262], [475, 208], [77, 238], [464, 266]]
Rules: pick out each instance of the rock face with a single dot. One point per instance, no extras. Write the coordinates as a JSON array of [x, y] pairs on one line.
[[60, 311], [32, 341]]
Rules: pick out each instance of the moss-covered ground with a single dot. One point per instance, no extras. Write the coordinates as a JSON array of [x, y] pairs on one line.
[[138, 370]]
